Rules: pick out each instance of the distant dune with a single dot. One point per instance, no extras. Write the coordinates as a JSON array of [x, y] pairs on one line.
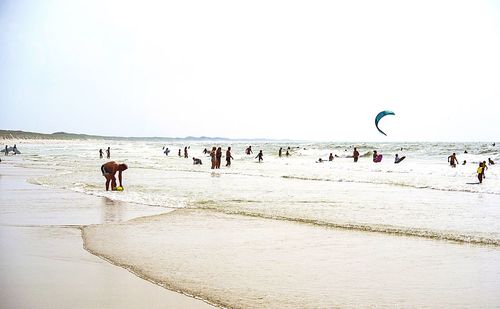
[[8, 134], [13, 135]]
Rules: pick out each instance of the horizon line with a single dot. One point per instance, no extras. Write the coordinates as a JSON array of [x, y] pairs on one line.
[[11, 134]]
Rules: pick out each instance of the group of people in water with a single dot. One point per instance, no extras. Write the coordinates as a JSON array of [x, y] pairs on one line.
[[8, 149], [452, 159], [110, 169], [215, 157], [108, 153]]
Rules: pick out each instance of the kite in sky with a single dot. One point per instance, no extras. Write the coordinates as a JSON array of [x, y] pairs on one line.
[[380, 116]]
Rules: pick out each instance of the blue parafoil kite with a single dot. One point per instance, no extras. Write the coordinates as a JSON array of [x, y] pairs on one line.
[[380, 116]]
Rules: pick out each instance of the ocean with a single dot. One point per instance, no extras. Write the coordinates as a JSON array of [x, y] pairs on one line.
[[292, 232]]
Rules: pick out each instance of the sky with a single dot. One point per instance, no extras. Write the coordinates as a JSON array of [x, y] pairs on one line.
[[305, 70]]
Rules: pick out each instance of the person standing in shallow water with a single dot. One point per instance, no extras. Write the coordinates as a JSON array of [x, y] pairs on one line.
[[280, 152], [229, 157], [355, 154], [100, 153], [186, 152], [260, 156], [453, 160], [480, 171], [484, 169], [218, 157], [108, 153], [212, 156]]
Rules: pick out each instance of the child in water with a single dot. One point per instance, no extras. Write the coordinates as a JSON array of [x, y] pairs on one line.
[[480, 172], [260, 156]]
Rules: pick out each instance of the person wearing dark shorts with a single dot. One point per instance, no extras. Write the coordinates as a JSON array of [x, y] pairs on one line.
[[109, 170], [453, 160]]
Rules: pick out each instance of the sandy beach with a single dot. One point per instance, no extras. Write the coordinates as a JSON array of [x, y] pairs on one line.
[[42, 260]]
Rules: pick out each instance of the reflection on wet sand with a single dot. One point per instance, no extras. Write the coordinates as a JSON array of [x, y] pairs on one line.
[[111, 211]]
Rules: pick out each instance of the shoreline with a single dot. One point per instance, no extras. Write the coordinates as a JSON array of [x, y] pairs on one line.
[[138, 274], [266, 241], [44, 262]]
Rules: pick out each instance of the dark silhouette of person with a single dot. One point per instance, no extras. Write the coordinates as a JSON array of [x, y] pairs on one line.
[[355, 154], [185, 152], [249, 150], [229, 157], [101, 154], [330, 158], [108, 153], [196, 161], [260, 156], [453, 160]]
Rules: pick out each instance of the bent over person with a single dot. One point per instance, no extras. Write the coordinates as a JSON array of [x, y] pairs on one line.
[[109, 170]]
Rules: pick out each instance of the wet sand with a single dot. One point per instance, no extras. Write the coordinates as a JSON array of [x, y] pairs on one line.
[[42, 260], [250, 262]]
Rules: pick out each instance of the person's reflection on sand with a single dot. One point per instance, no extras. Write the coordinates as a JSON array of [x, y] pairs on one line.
[[112, 211]]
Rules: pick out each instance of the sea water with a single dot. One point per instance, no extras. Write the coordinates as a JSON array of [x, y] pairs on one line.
[[292, 232]]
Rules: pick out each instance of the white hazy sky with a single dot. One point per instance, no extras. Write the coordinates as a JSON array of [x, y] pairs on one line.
[[318, 70]]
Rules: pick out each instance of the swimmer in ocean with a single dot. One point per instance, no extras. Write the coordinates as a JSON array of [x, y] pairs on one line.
[[196, 161]]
